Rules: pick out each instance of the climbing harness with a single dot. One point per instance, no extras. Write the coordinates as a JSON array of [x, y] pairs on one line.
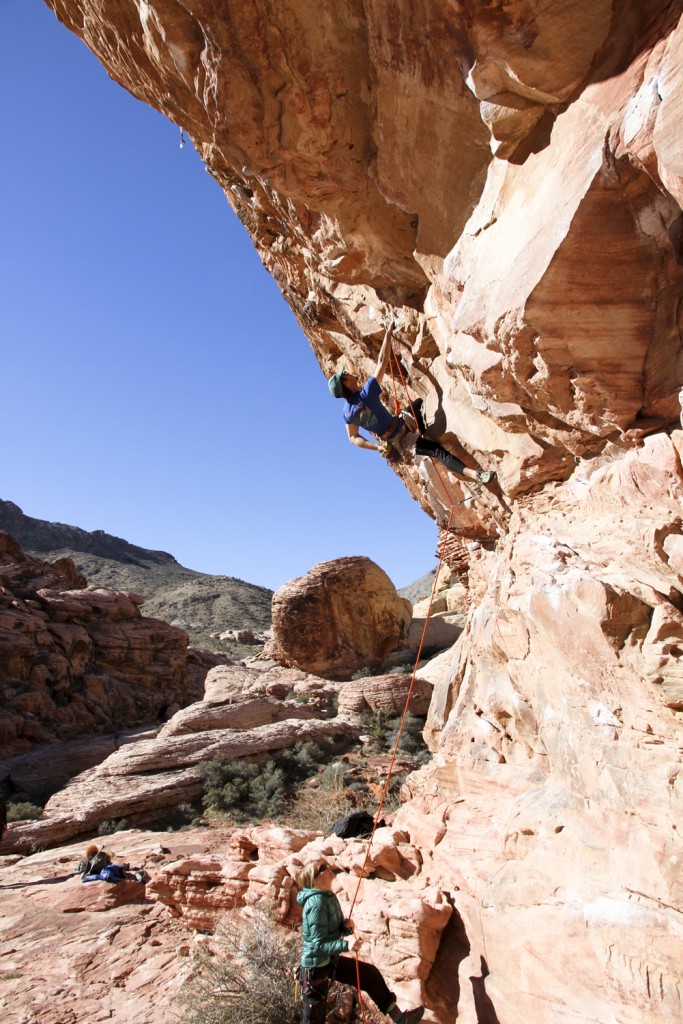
[[467, 484]]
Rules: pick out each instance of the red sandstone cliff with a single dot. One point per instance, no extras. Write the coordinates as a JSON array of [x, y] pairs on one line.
[[506, 179], [80, 661]]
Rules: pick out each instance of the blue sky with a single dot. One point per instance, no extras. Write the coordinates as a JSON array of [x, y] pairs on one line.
[[154, 382]]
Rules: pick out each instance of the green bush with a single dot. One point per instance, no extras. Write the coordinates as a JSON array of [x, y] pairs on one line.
[[412, 741], [23, 810], [107, 828], [250, 981], [385, 730], [247, 791], [332, 777], [406, 669]]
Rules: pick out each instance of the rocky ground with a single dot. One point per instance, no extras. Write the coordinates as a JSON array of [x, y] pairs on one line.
[[75, 952]]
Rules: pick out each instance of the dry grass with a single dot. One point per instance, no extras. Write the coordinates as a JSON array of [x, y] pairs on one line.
[[316, 810], [249, 981]]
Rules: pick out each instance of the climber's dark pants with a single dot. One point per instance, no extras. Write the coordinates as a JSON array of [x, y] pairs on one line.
[[315, 982], [425, 446]]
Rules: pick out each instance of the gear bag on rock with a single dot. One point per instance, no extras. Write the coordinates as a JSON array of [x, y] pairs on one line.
[[355, 825]]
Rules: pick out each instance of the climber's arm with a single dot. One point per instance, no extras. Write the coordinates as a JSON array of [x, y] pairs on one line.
[[384, 353], [355, 437]]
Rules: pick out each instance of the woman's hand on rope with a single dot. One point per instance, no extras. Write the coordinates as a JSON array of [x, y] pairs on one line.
[[352, 942]]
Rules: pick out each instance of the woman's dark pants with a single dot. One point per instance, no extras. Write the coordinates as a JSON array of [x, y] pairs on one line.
[[316, 981], [425, 446]]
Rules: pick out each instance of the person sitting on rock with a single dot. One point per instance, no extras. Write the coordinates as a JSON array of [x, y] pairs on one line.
[[325, 936], [96, 858], [98, 866], [364, 408]]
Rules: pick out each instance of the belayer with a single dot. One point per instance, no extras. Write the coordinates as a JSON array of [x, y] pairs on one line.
[[326, 935], [364, 408]]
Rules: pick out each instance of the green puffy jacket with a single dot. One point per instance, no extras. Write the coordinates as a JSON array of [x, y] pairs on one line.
[[322, 927]]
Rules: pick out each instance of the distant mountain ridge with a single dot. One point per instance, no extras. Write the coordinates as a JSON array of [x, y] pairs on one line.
[[43, 536], [199, 603]]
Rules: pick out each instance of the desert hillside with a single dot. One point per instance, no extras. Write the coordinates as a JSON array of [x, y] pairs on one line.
[[198, 603]]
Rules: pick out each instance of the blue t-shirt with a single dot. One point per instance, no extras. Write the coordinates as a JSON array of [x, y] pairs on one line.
[[365, 409]]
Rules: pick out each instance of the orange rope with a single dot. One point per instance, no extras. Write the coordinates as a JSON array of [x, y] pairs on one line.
[[403, 719], [393, 358], [397, 404], [394, 756], [385, 789]]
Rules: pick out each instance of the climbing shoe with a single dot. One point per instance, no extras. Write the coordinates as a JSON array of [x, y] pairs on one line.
[[485, 476], [410, 1016]]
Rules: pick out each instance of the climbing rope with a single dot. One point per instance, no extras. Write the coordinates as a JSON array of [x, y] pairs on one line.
[[394, 755], [385, 788], [393, 359]]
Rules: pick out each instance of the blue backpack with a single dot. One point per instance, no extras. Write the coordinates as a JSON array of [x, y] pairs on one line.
[[112, 873]]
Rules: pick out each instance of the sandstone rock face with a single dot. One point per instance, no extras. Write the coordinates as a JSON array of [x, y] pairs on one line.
[[77, 660], [71, 951], [344, 615], [43, 771], [554, 804], [540, 177], [245, 713], [387, 694], [506, 180]]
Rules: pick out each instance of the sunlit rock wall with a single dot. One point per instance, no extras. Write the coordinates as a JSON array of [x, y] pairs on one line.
[[504, 178]]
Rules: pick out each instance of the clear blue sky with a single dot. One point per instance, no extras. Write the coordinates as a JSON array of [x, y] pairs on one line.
[[154, 382]]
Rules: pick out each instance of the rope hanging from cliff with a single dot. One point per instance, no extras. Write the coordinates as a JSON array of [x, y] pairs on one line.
[[394, 755], [393, 358], [385, 788]]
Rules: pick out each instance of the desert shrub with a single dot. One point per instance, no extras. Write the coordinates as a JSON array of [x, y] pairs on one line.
[[249, 981], [317, 809], [405, 669], [323, 800], [367, 670], [385, 730], [375, 722], [23, 810], [332, 777], [246, 791], [412, 741], [107, 828], [181, 818]]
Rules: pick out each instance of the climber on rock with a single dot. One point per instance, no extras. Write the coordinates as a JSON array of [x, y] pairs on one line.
[[396, 440], [325, 936]]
